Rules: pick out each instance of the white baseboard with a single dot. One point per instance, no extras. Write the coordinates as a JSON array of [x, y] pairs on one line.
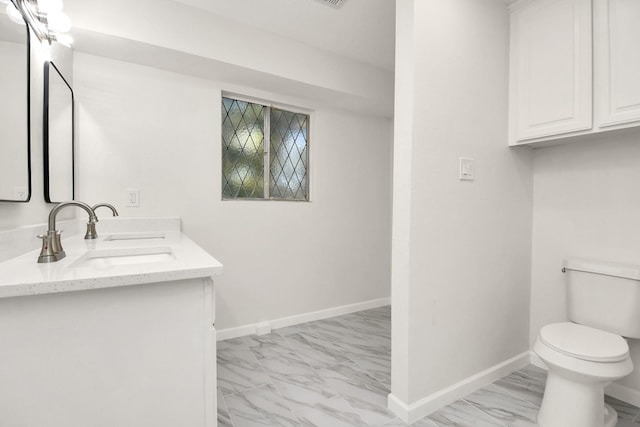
[[398, 407], [623, 393], [250, 329], [427, 405], [240, 331]]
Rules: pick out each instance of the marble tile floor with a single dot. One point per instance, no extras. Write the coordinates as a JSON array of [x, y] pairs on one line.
[[336, 372]]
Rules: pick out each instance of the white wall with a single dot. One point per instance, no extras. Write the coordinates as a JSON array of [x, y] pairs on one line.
[[461, 261], [586, 204], [158, 131], [190, 40]]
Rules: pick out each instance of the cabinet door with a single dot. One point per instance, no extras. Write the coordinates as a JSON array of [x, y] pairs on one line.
[[617, 61], [551, 68]]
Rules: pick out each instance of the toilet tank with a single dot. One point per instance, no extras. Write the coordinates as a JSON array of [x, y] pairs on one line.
[[604, 295]]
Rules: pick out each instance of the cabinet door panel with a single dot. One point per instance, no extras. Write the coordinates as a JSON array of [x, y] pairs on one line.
[[551, 68], [618, 61]]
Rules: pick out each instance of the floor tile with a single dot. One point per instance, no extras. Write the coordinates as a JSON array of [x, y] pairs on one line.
[[333, 412], [261, 406], [523, 386], [502, 406], [367, 325], [370, 341], [294, 329], [333, 329], [264, 346], [375, 361], [296, 380], [239, 370], [224, 419], [314, 350], [364, 393], [537, 375], [379, 313], [232, 344], [461, 413]]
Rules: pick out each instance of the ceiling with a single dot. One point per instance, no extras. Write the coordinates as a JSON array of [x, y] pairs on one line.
[[363, 30]]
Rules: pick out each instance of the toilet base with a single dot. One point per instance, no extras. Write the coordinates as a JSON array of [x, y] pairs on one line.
[[568, 403], [610, 416]]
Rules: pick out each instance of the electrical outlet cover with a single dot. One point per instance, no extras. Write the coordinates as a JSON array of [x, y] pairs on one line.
[[132, 198]]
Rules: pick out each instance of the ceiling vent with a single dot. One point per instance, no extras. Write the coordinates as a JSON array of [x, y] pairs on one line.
[[333, 3]]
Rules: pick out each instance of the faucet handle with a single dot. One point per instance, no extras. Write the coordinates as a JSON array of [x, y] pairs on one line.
[[47, 253]]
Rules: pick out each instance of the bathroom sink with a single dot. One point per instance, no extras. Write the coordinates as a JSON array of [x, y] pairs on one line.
[[108, 258], [135, 236]]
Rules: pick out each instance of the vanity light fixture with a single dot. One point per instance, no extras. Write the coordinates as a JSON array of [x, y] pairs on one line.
[[45, 17], [14, 14]]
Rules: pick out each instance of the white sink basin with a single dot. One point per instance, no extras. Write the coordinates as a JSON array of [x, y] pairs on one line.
[[136, 236], [108, 258]]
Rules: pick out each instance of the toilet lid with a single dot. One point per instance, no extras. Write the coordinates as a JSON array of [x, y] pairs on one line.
[[583, 342]]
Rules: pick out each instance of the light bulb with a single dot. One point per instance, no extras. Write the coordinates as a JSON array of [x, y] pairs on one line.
[[44, 51], [64, 39], [14, 14], [50, 6], [59, 22]]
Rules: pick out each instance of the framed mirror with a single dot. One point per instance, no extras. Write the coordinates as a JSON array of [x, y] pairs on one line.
[[15, 163], [58, 136]]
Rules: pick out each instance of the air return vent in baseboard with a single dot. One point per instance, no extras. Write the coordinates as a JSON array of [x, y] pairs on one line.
[[334, 3]]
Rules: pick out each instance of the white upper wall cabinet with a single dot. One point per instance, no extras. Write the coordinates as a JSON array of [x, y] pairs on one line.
[[617, 35], [550, 68], [555, 67]]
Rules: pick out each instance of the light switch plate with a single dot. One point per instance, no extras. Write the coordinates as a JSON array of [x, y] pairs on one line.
[[467, 169]]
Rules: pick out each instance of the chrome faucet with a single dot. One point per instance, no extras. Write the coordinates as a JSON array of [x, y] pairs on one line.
[[52, 250], [91, 226]]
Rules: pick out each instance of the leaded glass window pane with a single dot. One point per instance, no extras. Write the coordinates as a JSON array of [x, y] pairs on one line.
[[288, 155], [258, 143], [242, 149]]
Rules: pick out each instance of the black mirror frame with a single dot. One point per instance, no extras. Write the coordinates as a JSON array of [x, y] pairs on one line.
[[28, 120], [45, 133]]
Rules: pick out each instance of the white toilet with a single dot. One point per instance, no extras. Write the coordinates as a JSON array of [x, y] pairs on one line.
[[586, 354]]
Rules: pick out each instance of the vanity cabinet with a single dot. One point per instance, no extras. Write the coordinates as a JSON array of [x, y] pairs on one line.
[[140, 355], [573, 68], [110, 335]]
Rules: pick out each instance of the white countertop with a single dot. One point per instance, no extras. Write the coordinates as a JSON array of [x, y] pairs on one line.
[[23, 276]]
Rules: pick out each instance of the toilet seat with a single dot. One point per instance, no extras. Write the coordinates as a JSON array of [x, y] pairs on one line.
[[584, 343]]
